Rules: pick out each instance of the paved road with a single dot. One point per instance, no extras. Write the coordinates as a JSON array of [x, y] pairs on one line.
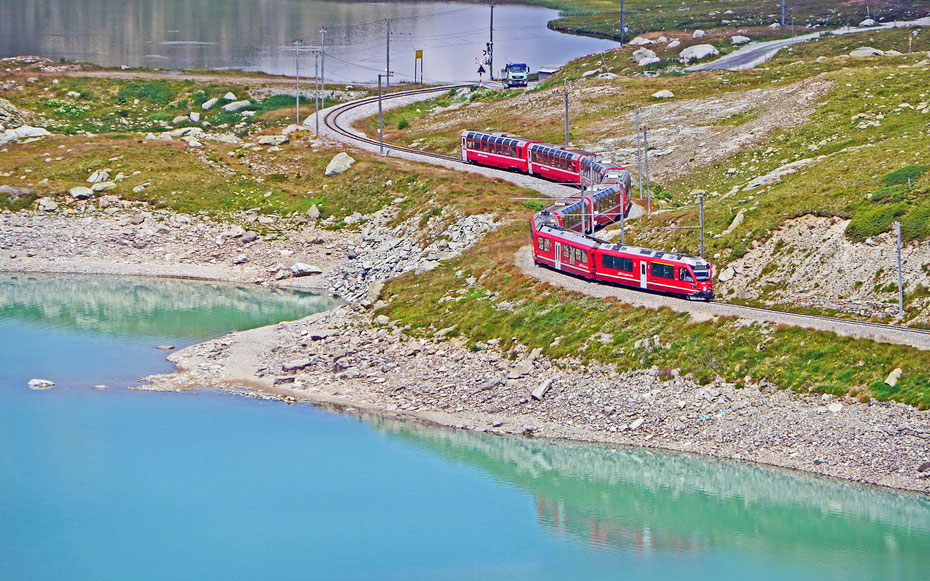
[[705, 311], [756, 53]]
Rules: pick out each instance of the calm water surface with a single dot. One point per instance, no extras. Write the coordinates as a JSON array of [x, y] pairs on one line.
[[117, 484], [259, 35]]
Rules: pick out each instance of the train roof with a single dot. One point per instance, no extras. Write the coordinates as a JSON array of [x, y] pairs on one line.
[[560, 148], [501, 135]]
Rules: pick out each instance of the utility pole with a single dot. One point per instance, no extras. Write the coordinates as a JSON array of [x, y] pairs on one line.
[[388, 60], [701, 202], [621, 22], [646, 156], [316, 90], [783, 13], [380, 117], [323, 66], [297, 67], [622, 218], [491, 44], [566, 118], [897, 231], [639, 157]]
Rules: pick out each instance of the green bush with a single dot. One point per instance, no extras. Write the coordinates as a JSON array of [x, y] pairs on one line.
[[154, 91], [901, 176], [916, 224], [403, 123], [871, 220], [890, 194]]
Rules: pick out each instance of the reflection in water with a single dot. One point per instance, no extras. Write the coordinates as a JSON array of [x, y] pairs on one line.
[[258, 35], [135, 306], [661, 502]]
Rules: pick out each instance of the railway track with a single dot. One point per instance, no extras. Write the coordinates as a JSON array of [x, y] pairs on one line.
[[918, 338]]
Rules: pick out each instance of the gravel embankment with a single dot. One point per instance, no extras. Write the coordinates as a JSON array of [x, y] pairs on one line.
[[340, 358]]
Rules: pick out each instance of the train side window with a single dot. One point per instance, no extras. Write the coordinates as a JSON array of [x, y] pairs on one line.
[[684, 275], [659, 270], [625, 264], [607, 261], [582, 256], [543, 244]]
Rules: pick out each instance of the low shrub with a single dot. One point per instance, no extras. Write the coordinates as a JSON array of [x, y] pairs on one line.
[[901, 176], [871, 220]]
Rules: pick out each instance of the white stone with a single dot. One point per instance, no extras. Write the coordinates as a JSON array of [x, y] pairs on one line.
[[663, 94], [47, 205], [640, 41], [642, 54], [662, 39], [313, 213], [774, 25], [194, 116], [697, 52], [739, 39], [637, 423], [209, 104], [229, 96], [340, 163], [40, 383], [273, 139], [101, 175], [698, 34], [649, 61], [866, 51], [303, 269], [103, 187], [540, 392], [894, 376], [236, 106], [674, 43], [180, 119], [80, 192], [867, 22], [835, 407]]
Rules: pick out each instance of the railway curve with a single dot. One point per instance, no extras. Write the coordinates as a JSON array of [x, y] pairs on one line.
[[338, 120]]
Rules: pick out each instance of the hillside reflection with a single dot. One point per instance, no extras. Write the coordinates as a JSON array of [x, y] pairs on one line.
[[136, 306], [647, 501]]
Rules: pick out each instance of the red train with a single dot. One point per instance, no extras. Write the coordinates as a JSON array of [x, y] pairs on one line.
[[596, 259], [545, 160]]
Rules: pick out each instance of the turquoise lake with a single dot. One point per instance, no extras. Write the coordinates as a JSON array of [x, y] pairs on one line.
[[123, 484]]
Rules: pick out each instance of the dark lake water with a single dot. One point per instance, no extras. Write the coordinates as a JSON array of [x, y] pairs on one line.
[[121, 484], [258, 35]]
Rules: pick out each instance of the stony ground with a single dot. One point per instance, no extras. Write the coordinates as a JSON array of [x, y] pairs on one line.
[[342, 358]]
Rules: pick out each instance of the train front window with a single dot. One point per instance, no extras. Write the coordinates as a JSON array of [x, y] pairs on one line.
[[684, 275], [702, 273]]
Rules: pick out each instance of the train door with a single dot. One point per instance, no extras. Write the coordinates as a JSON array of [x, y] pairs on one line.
[[558, 255], [642, 274], [464, 150]]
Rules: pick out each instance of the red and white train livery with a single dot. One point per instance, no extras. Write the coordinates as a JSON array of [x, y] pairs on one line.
[[599, 260], [590, 210], [545, 160]]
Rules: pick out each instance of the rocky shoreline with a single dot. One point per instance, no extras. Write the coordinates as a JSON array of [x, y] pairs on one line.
[[347, 359]]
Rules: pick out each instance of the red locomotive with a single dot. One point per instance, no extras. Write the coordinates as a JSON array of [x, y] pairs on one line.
[[599, 260]]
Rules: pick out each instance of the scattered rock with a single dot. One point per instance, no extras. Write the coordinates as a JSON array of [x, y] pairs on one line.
[[925, 467], [675, 43], [697, 52], [866, 51], [663, 94], [40, 383], [47, 204], [165, 347], [81, 192], [236, 106], [698, 34], [103, 187], [894, 377], [194, 117], [229, 96], [209, 103], [739, 39], [248, 237], [867, 22], [640, 41], [835, 407], [273, 140], [137, 219], [382, 320], [726, 275], [101, 175], [340, 163], [20, 133], [180, 119], [637, 423], [313, 213], [303, 269], [643, 54], [540, 391]]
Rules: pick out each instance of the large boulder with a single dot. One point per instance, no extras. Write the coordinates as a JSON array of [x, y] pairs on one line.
[[868, 22], [236, 106], [47, 205], [697, 52], [739, 39], [101, 175], [313, 213], [640, 41], [80, 192], [643, 54], [303, 269], [208, 104], [698, 34], [339, 164], [9, 114], [24, 132], [663, 94], [866, 51]]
